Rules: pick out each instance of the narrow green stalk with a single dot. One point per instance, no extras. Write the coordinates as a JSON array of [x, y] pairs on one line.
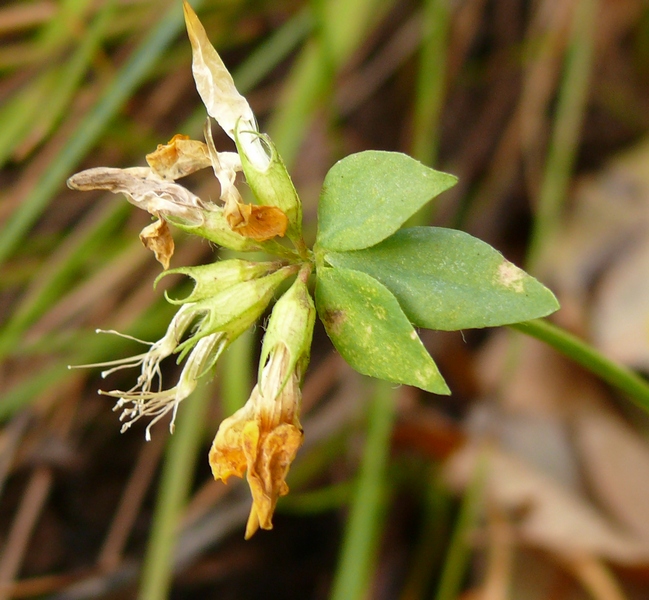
[[61, 27], [177, 473], [237, 373], [70, 74], [430, 81], [343, 24], [459, 550], [315, 68], [566, 343], [363, 527], [272, 51], [17, 112], [91, 127], [433, 536], [429, 100], [571, 106], [321, 500], [300, 97]]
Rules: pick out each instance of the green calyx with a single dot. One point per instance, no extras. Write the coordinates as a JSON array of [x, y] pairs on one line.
[[291, 325], [271, 184], [235, 308], [216, 277]]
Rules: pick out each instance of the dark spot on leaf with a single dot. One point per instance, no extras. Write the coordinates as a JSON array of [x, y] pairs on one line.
[[333, 320]]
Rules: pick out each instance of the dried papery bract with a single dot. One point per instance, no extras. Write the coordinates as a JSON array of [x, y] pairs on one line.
[[262, 439], [217, 90], [259, 223], [273, 187], [143, 189]]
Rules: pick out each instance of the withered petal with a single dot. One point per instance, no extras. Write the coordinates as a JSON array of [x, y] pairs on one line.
[[178, 158], [157, 238], [259, 223]]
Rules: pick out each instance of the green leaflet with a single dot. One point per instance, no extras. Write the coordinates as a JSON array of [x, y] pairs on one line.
[[446, 279], [367, 196], [371, 332]]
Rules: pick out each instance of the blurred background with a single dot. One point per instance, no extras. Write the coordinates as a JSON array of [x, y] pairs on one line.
[[530, 482]]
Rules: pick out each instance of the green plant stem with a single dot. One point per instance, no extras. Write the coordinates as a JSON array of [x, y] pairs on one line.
[[571, 106], [321, 500], [177, 473], [433, 537], [459, 550], [431, 88], [314, 69], [272, 51], [237, 373], [611, 372], [430, 81], [302, 92], [363, 526]]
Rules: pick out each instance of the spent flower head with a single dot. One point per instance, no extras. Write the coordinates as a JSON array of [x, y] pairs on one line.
[[228, 295]]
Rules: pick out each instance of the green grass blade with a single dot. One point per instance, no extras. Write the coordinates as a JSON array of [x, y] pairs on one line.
[[17, 114], [273, 51], [359, 545], [237, 373], [69, 76], [571, 106], [459, 550], [177, 475], [430, 81], [342, 25], [84, 348], [53, 280], [315, 68], [433, 536], [90, 128]]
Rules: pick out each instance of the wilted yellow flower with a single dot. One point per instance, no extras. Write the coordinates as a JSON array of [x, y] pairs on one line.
[[262, 438]]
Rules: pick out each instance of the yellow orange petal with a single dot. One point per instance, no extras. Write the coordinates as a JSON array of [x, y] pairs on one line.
[[157, 238], [178, 158], [259, 223]]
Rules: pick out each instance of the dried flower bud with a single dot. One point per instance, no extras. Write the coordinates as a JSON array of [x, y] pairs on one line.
[[264, 436], [216, 87], [157, 238]]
